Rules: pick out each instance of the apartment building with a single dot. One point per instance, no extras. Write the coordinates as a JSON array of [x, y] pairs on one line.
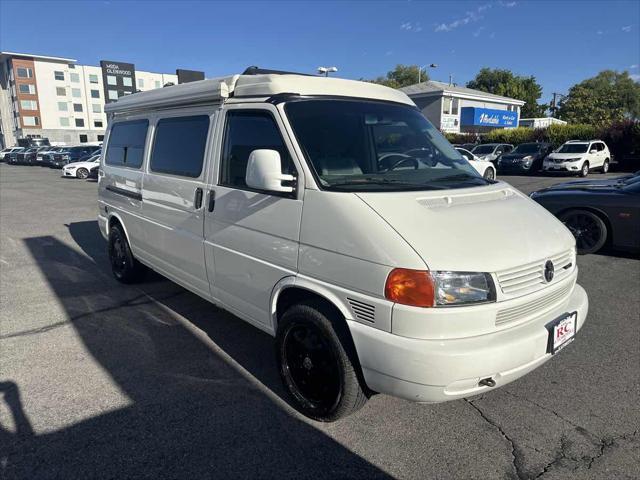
[[55, 98]]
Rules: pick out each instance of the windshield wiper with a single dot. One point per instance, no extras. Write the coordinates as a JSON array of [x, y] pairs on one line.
[[383, 181]]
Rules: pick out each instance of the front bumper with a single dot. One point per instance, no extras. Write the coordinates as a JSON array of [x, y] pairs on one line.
[[438, 370], [562, 167], [68, 172]]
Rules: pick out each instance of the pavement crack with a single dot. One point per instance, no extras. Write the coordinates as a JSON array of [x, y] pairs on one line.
[[515, 455], [132, 302]]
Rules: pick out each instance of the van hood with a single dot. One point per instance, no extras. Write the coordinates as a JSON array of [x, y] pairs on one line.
[[481, 229]]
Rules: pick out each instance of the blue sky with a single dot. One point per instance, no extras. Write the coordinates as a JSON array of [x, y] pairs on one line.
[[560, 43]]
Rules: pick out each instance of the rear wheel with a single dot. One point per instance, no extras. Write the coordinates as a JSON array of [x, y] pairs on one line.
[[315, 361], [489, 174], [125, 268], [589, 230], [82, 173], [605, 166], [584, 171]]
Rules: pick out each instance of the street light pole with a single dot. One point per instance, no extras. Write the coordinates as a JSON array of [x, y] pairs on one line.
[[327, 70], [433, 65]]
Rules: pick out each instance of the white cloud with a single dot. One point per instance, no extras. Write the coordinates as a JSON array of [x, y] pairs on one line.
[[599, 32], [411, 27], [406, 26], [471, 16], [633, 67], [627, 28], [635, 77], [478, 32]]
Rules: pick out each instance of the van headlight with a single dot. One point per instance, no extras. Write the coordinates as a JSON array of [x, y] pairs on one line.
[[422, 288], [460, 288]]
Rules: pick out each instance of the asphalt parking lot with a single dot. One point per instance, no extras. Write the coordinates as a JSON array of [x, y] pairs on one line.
[[100, 380]]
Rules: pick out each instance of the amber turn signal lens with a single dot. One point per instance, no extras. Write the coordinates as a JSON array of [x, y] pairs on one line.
[[410, 287]]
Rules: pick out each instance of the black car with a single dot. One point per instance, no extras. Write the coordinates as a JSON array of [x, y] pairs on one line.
[[23, 157], [597, 212], [72, 154], [525, 158]]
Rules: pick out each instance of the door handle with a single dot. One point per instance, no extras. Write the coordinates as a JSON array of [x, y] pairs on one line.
[[212, 200], [198, 200]]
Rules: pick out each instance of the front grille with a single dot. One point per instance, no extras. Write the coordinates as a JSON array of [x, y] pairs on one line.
[[363, 311], [559, 160], [539, 305], [530, 277]]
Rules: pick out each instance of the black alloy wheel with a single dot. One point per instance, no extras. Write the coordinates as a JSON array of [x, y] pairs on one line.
[[589, 230], [125, 268], [317, 364], [82, 173], [489, 174]]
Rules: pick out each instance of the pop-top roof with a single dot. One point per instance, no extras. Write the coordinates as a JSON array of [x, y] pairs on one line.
[[254, 86]]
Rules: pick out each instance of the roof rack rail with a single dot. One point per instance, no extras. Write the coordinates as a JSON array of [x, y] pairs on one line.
[[253, 70]]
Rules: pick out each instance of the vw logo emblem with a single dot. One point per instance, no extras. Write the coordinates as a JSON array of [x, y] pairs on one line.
[[549, 271]]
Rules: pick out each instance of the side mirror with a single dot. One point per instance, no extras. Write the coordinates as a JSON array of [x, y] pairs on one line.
[[593, 150], [264, 172]]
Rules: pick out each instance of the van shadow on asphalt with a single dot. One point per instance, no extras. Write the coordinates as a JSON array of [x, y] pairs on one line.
[[197, 409]]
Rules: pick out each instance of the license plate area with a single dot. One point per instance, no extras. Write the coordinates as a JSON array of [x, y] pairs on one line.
[[562, 332]]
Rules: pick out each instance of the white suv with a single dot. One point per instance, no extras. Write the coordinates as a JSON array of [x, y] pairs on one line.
[[579, 156]]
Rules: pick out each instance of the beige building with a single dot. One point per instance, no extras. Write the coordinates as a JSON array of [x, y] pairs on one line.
[[55, 98]]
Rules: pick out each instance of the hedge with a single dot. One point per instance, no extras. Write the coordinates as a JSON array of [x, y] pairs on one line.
[[622, 138]]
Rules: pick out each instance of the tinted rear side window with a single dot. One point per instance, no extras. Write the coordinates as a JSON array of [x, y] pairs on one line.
[[178, 148], [126, 143]]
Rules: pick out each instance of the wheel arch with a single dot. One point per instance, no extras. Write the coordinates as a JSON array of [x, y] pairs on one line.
[[113, 219]]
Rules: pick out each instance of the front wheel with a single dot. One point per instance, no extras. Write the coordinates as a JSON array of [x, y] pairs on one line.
[[584, 171], [82, 173], [605, 166], [489, 174], [315, 364], [589, 230]]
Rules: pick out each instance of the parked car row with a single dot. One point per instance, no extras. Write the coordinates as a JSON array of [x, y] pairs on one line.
[[48, 156], [575, 156]]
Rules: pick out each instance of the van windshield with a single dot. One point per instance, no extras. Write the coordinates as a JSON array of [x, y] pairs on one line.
[[372, 146]]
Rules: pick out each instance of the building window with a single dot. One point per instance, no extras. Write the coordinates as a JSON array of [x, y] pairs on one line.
[[100, 137], [61, 91], [93, 78], [157, 84], [83, 139], [126, 81], [30, 121], [58, 75], [96, 108], [455, 105], [95, 93], [111, 80], [97, 124], [24, 72], [77, 107], [71, 66], [64, 122], [27, 88], [126, 143], [63, 107], [113, 94], [178, 147], [446, 105], [75, 92], [75, 78], [79, 122], [141, 83], [28, 104]]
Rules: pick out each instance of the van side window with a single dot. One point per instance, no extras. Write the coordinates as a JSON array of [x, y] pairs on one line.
[[247, 131], [179, 144], [126, 143]]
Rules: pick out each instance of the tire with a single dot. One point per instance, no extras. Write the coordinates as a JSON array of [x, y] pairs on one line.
[[605, 166], [489, 174], [589, 230], [318, 364], [584, 171], [124, 266], [82, 173]]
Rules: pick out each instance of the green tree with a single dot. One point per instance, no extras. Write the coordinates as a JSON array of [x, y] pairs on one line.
[[608, 97], [402, 76], [506, 84]]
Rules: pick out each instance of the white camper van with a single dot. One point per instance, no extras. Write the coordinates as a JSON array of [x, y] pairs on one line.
[[331, 214]]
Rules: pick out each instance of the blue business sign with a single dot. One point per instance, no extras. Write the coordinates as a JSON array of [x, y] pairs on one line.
[[487, 117]]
